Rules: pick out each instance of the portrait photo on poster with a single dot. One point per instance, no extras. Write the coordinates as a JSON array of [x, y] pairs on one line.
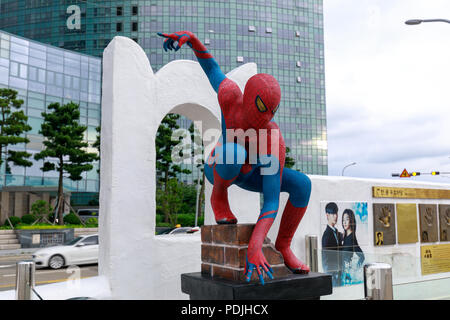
[[344, 231]]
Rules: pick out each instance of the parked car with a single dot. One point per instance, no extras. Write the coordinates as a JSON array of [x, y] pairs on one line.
[[181, 230], [81, 250]]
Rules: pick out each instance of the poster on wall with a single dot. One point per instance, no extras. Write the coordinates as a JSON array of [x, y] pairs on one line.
[[428, 223], [344, 229], [406, 223], [383, 224], [444, 222], [435, 258]]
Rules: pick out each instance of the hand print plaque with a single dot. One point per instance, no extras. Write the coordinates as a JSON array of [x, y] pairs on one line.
[[444, 222], [428, 223], [384, 224]]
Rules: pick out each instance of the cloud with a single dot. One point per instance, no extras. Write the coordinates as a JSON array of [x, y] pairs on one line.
[[387, 83]]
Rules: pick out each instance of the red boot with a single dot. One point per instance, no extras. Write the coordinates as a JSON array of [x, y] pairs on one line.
[[219, 200], [289, 222]]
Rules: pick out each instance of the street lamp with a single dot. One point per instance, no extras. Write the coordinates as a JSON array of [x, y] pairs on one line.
[[351, 164], [419, 21]]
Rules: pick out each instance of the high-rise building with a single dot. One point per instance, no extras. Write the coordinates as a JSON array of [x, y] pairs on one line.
[[43, 74], [284, 38]]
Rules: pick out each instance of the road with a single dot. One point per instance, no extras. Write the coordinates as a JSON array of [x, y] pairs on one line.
[[42, 276]]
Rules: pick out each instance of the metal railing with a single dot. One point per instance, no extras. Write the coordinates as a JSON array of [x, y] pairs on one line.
[[378, 281], [25, 280], [312, 260], [377, 276]]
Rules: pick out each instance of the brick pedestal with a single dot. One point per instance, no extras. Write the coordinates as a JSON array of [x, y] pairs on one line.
[[224, 250]]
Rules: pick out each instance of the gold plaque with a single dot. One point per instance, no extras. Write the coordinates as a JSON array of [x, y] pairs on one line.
[[410, 193], [384, 224], [435, 258], [428, 223], [444, 222], [406, 222]]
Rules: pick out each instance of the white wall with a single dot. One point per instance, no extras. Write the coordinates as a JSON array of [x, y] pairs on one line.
[[404, 258]]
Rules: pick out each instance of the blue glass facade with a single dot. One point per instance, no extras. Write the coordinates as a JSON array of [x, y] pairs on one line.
[[284, 37], [42, 74]]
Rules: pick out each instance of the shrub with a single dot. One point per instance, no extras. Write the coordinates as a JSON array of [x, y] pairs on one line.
[[164, 224], [185, 219], [201, 221], [188, 219], [41, 226], [41, 208], [14, 221], [159, 218], [71, 218], [92, 222], [29, 218]]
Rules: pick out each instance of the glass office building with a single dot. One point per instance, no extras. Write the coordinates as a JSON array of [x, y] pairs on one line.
[[284, 37], [43, 74]]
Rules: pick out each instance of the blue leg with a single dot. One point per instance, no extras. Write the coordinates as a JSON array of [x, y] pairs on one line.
[[226, 160], [298, 185]]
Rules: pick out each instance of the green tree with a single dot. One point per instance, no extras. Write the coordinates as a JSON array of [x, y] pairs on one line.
[[170, 200], [42, 210], [289, 162], [96, 145], [64, 143], [189, 197], [13, 126], [198, 149], [165, 167]]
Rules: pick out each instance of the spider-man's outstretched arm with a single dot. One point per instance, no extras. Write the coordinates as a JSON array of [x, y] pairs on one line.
[[206, 60]]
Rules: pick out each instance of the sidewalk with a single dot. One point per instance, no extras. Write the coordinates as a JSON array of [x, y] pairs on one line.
[[18, 252]]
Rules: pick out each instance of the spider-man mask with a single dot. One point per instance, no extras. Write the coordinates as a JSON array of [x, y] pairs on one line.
[[261, 99]]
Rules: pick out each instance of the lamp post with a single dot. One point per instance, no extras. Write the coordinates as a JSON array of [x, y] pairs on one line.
[[419, 21], [351, 164]]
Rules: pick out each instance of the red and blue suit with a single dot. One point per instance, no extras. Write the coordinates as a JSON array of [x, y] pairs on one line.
[[259, 169]]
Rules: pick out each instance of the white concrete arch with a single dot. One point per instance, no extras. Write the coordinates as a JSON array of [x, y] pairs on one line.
[[138, 264]]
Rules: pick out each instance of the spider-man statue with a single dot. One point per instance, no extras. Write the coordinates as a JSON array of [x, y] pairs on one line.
[[234, 162]]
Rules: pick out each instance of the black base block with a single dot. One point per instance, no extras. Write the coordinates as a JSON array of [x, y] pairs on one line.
[[292, 287]]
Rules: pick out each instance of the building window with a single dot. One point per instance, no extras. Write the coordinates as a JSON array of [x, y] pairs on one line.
[[251, 28], [207, 41], [119, 11], [268, 30], [240, 59], [299, 64], [297, 34], [119, 26], [299, 79], [134, 26], [134, 10]]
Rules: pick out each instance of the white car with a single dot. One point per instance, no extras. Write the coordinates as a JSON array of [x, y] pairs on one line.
[[181, 230], [81, 250]]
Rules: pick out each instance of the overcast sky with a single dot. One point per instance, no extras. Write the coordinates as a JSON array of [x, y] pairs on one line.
[[387, 87]]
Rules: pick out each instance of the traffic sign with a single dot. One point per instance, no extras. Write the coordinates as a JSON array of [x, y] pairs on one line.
[[405, 174]]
